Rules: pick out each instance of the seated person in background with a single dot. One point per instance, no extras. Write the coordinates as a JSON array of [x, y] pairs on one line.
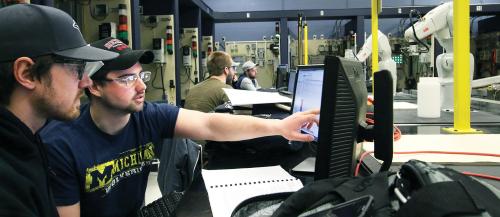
[[101, 161], [208, 94], [235, 76], [247, 80]]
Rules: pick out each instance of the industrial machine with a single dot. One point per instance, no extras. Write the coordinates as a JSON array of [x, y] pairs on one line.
[[439, 22], [189, 75], [260, 52], [384, 53], [157, 34]]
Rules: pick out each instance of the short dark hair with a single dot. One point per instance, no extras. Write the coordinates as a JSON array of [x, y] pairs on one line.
[[98, 79], [217, 61], [39, 70]]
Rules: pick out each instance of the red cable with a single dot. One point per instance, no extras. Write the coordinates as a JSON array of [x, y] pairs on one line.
[[449, 152], [362, 157], [370, 100], [496, 178], [397, 131]]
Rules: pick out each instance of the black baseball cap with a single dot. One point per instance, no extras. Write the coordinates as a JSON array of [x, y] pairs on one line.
[[35, 30], [126, 59]]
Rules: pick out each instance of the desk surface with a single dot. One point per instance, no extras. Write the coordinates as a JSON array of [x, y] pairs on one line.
[[196, 203], [409, 116]]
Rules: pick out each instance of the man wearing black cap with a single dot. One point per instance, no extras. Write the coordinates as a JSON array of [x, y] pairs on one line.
[[101, 160], [42, 75]]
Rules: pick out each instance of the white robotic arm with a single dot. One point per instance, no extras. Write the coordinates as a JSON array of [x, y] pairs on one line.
[[384, 53], [438, 21], [384, 48]]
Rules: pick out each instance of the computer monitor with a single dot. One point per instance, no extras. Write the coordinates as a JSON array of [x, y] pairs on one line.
[[307, 94], [282, 76], [291, 80], [343, 110]]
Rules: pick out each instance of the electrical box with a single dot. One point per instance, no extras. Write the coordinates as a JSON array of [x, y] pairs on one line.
[[101, 10], [107, 30], [186, 56], [150, 21], [260, 53], [159, 50]]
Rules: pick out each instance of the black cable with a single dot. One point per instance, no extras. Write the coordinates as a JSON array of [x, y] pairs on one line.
[[355, 55], [413, 28], [163, 95], [402, 26], [154, 78], [188, 74], [472, 25]]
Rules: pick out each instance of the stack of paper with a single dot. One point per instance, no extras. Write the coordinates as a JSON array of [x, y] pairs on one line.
[[228, 188], [247, 97]]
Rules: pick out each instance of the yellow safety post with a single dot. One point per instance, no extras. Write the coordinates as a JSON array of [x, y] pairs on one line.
[[461, 68], [299, 40], [375, 10], [306, 51]]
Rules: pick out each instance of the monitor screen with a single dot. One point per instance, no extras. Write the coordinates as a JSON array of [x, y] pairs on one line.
[[291, 80], [308, 87]]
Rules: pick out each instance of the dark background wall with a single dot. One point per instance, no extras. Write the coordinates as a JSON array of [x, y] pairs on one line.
[[256, 30], [268, 5]]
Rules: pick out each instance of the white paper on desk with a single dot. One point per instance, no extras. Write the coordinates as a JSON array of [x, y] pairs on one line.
[[228, 188], [248, 97]]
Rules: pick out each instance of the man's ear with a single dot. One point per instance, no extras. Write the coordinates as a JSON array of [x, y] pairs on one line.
[[95, 89], [22, 74]]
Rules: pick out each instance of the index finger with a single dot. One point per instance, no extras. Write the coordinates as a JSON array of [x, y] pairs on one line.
[[312, 111]]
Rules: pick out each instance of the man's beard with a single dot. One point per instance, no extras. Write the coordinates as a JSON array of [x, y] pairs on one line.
[[229, 80], [46, 105], [129, 109]]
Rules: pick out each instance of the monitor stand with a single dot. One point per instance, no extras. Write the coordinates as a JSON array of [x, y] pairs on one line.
[[306, 166]]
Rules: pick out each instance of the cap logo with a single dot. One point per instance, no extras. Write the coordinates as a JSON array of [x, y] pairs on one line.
[[75, 25], [115, 44]]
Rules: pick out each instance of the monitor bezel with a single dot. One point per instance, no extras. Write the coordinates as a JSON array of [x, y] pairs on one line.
[[297, 72]]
